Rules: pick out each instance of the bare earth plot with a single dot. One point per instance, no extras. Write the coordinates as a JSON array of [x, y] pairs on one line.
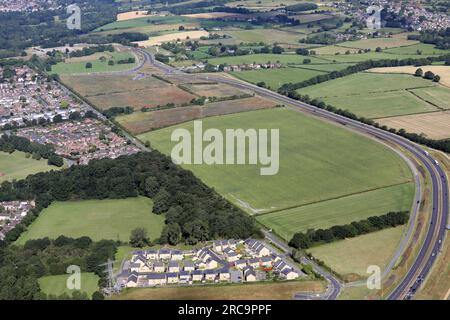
[[140, 122], [106, 91], [435, 125]]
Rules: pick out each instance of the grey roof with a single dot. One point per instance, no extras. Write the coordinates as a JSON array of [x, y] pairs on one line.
[[253, 260], [172, 275], [184, 273], [188, 263], [156, 276], [174, 264], [177, 252], [197, 272], [164, 251], [158, 264], [210, 271], [286, 271], [241, 261], [266, 259]]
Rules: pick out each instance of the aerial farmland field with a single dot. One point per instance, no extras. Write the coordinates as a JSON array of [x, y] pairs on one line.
[[314, 156], [98, 65], [97, 219]]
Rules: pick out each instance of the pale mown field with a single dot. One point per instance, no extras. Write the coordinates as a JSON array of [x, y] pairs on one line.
[[442, 71], [434, 125], [153, 41]]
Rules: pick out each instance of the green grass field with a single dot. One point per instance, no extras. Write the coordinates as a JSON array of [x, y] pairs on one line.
[[98, 219], [97, 65], [439, 96], [275, 78], [426, 49], [340, 211], [353, 256], [362, 83], [318, 162], [385, 104], [263, 58], [17, 166], [57, 285], [376, 96], [140, 22]]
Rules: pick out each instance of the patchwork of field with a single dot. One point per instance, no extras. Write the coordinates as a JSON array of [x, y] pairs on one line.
[[97, 219], [57, 285], [106, 91], [340, 211], [250, 291], [77, 66], [264, 58], [434, 125], [318, 162], [275, 78], [374, 95], [351, 257], [17, 166], [140, 122]]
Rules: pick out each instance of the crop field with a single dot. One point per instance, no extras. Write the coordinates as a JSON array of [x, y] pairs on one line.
[[340, 211], [152, 29], [442, 71], [141, 22], [435, 125], [106, 91], [359, 57], [142, 98], [97, 64], [362, 83], [131, 15], [378, 42], [351, 257], [323, 67], [438, 96], [333, 49], [17, 166], [140, 122], [275, 78], [384, 95], [318, 162], [263, 58], [157, 40], [425, 49], [57, 285], [97, 219], [264, 35], [250, 291], [385, 104]]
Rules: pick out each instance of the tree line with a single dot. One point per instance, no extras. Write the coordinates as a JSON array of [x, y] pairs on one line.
[[314, 237], [11, 143], [195, 211], [21, 267]]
